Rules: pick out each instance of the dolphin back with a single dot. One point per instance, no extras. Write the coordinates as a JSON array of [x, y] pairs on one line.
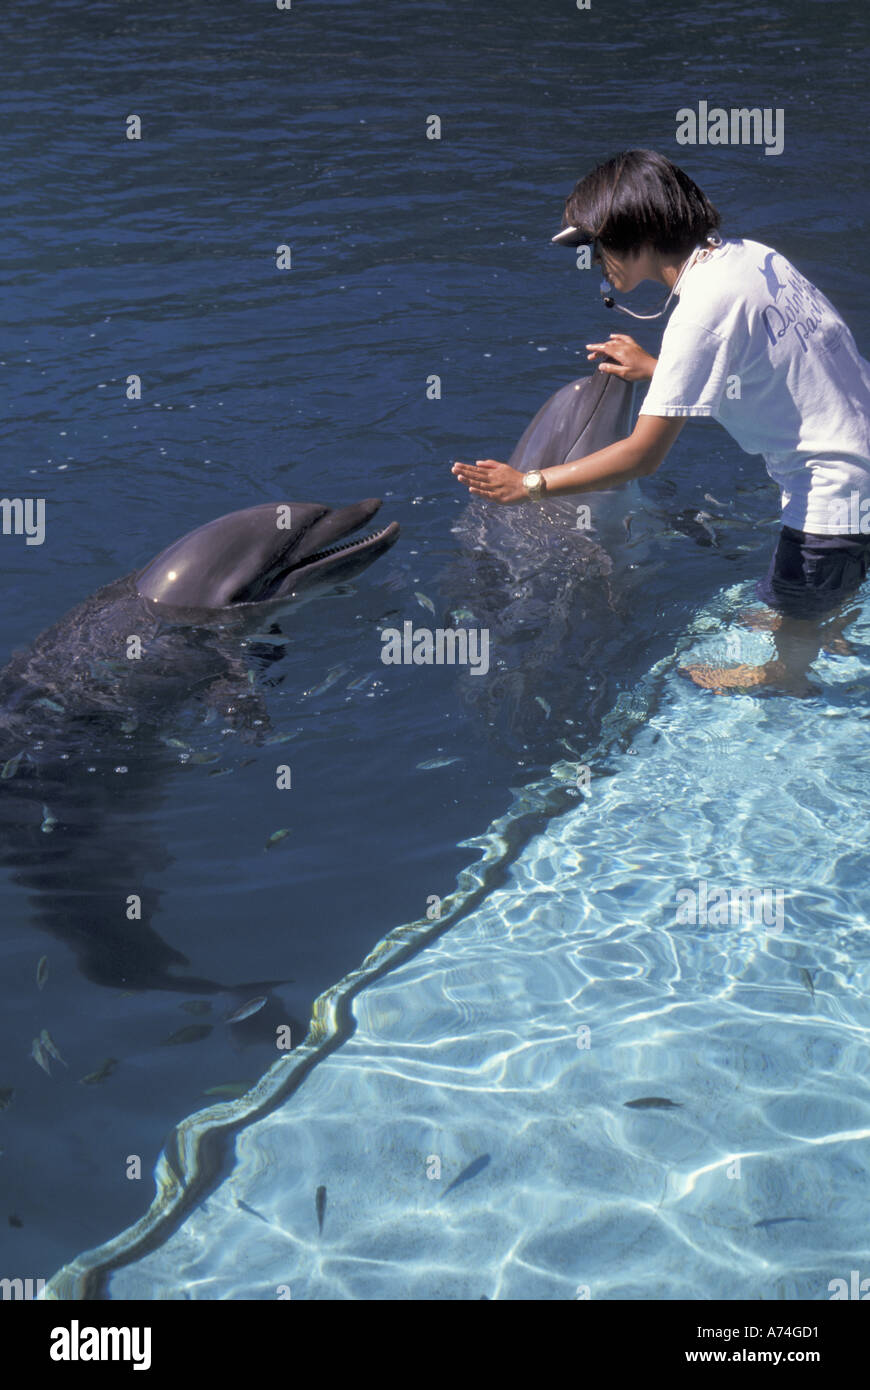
[[579, 418]]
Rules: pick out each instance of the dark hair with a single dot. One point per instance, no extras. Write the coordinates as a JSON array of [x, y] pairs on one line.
[[639, 198]]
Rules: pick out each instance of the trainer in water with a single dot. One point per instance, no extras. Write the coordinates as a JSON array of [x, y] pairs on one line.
[[752, 344]]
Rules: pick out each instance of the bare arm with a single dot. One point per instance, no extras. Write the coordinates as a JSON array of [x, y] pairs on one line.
[[634, 457]]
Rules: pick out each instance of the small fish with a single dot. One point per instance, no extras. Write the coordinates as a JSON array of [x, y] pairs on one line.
[[49, 1045], [103, 1072], [42, 972], [6, 1094], [252, 1211], [48, 821], [11, 767], [476, 1166], [360, 681], [203, 758], [269, 639], [703, 518], [708, 497], [230, 1090], [335, 674], [194, 1032], [463, 615], [175, 743], [808, 981], [197, 1006], [424, 602], [282, 738], [39, 1055], [653, 1103], [544, 706], [694, 525], [320, 1207], [437, 762], [778, 1221], [49, 704], [220, 772], [253, 1006], [275, 838]]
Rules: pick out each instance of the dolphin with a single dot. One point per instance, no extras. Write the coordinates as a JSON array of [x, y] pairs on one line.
[[547, 578], [581, 417], [96, 694], [228, 576]]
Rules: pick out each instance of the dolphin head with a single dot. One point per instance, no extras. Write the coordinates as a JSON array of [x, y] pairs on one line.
[[582, 417], [263, 555]]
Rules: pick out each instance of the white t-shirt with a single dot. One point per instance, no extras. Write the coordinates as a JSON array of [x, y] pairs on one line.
[[757, 347]]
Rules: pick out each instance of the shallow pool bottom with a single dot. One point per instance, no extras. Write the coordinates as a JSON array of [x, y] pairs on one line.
[[692, 936]]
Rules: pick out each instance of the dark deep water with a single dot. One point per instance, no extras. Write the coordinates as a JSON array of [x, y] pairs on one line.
[[409, 257]]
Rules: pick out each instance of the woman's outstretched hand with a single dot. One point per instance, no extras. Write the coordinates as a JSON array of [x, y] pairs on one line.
[[497, 482], [631, 362]]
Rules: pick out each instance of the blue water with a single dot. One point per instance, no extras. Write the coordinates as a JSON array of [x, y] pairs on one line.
[[521, 1039], [410, 257]]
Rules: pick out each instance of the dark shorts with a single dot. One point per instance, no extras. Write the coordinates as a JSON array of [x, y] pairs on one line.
[[809, 575]]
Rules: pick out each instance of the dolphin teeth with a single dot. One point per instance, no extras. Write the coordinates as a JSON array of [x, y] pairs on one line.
[[345, 545]]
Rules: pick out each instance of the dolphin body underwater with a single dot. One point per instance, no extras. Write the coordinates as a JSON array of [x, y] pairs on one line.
[[549, 579], [99, 689]]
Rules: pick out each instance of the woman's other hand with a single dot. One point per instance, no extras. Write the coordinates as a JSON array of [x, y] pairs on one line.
[[629, 359]]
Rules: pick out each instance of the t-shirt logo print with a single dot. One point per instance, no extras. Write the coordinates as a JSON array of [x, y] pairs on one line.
[[775, 286], [802, 310]]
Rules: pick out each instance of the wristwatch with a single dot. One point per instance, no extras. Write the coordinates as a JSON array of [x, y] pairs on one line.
[[535, 485]]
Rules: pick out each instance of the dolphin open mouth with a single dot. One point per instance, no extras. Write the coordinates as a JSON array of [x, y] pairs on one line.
[[307, 556], [264, 553], [360, 545], [370, 539]]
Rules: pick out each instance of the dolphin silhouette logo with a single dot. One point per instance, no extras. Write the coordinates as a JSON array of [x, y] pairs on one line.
[[775, 286]]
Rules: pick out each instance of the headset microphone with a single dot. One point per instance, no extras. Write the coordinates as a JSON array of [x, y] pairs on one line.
[[713, 241]]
